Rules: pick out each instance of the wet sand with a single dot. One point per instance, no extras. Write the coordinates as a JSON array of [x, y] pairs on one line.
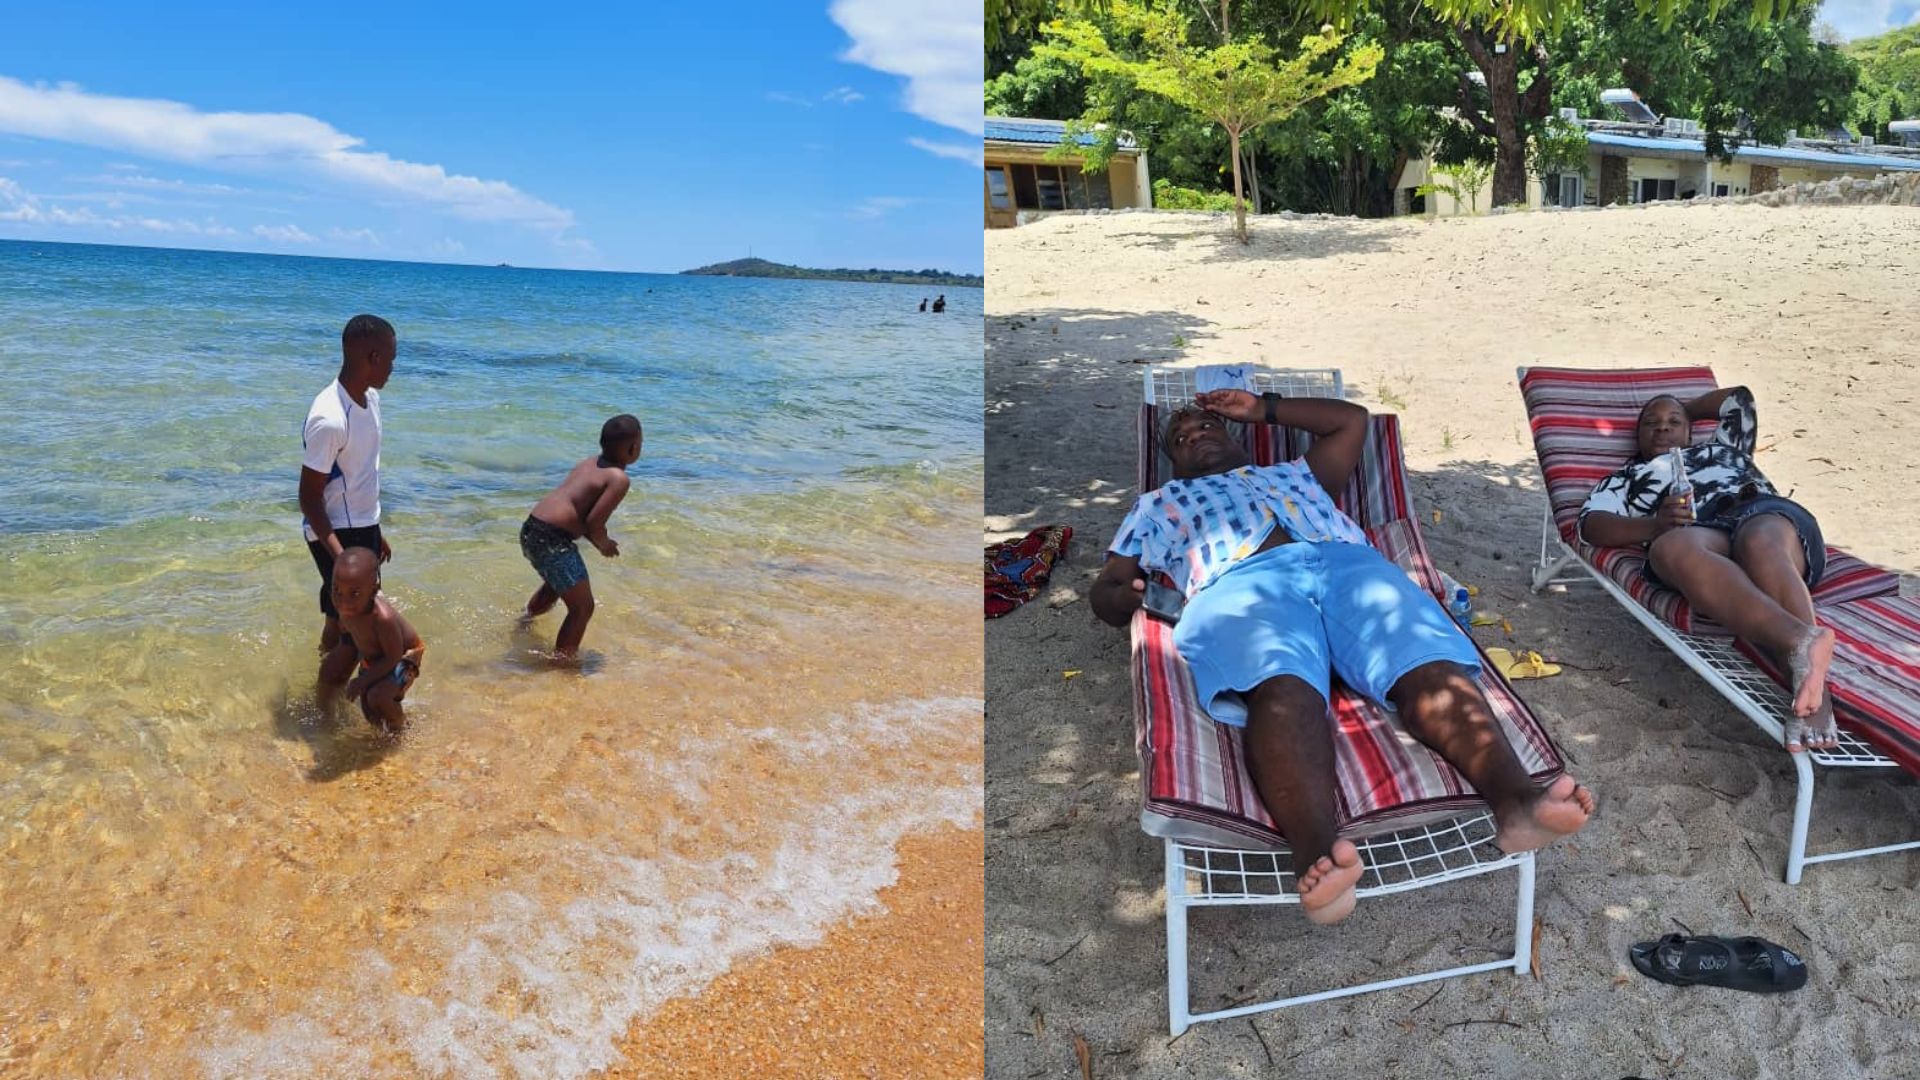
[[892, 994]]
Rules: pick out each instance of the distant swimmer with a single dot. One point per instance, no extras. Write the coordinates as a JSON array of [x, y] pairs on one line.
[[940, 304], [580, 506], [923, 304]]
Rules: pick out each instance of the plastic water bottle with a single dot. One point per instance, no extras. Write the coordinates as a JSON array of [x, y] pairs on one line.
[[1459, 600], [1681, 486]]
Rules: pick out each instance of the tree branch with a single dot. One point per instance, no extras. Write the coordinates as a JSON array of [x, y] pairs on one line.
[[1539, 96], [1476, 49], [1470, 112]]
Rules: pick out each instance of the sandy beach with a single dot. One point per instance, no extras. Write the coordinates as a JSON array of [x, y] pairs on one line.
[[893, 994], [1811, 307]]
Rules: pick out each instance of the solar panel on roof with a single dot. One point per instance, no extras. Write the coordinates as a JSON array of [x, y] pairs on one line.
[[1630, 106]]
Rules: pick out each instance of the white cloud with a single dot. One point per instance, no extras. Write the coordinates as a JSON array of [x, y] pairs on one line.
[[785, 98], [1865, 18], [283, 234], [875, 207], [134, 179], [26, 208], [936, 44], [844, 95], [259, 142], [354, 236], [971, 153]]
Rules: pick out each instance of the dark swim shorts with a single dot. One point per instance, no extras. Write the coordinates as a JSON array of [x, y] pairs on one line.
[[1812, 544], [367, 537], [553, 554]]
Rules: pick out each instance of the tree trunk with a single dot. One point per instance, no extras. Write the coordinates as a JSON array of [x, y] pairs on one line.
[[1510, 144], [1253, 177], [1510, 109], [1239, 207]]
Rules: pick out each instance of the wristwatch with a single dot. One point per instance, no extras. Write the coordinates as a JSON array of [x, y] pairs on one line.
[[1267, 401]]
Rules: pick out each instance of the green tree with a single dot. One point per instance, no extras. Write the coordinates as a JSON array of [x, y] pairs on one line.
[[1722, 69], [1508, 42], [1560, 146], [1241, 85], [1463, 182], [1889, 87]]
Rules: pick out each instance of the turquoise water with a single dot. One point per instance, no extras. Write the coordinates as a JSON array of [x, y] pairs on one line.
[[185, 830]]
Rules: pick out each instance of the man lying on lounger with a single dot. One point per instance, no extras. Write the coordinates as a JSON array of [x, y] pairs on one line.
[[1283, 591], [1742, 555]]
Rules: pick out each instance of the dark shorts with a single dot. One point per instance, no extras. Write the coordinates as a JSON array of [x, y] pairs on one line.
[[368, 537], [403, 675], [552, 552], [1812, 544]]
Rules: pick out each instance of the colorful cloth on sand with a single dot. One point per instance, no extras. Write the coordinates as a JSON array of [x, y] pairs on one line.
[[1016, 569]]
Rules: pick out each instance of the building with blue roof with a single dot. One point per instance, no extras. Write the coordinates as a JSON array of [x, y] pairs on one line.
[[1646, 158], [1023, 182]]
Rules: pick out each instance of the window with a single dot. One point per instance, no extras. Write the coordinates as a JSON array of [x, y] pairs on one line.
[[1025, 191], [999, 195], [1060, 187], [1416, 201], [1052, 196], [1720, 191], [1567, 188], [1652, 190]]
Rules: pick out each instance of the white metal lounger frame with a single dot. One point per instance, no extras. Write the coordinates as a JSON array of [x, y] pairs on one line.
[[1199, 875], [1741, 682]]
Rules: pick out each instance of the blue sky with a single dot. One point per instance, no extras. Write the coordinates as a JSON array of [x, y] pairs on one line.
[[1865, 18], [638, 137]]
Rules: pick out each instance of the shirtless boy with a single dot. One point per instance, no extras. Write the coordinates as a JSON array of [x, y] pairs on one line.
[[580, 506], [389, 649]]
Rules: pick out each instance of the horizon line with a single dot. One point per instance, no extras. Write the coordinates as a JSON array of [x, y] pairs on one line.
[[479, 266]]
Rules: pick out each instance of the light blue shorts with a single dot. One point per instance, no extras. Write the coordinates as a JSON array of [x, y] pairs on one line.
[[1308, 610]]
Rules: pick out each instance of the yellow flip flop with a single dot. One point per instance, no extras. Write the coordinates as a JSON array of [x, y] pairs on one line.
[[1530, 666]]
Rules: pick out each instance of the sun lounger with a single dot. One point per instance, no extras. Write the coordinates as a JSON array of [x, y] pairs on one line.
[[1415, 820], [1583, 425]]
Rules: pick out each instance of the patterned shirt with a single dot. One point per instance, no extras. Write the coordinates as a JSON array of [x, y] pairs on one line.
[[1194, 529], [1722, 471]]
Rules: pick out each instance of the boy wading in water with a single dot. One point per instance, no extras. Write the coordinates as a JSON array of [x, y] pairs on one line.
[[340, 471], [580, 506], [388, 648]]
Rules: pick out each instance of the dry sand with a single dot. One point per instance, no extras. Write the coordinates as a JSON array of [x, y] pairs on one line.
[[1813, 308]]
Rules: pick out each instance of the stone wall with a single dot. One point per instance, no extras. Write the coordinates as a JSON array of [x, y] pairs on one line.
[[1887, 189], [1765, 178]]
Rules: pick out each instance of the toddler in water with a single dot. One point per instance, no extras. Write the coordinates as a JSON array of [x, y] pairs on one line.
[[389, 648], [580, 506]]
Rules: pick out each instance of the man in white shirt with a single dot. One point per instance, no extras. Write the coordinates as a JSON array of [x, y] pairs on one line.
[[340, 470]]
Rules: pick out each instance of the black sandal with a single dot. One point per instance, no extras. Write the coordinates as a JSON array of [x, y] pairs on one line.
[[1747, 963]]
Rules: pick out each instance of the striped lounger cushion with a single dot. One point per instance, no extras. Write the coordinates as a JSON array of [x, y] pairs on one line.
[[1583, 429], [1193, 775], [1875, 678]]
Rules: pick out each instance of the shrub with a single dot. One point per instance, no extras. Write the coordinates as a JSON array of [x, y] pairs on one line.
[[1168, 196]]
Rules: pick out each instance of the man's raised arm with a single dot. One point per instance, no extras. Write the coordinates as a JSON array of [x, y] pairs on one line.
[[1339, 427]]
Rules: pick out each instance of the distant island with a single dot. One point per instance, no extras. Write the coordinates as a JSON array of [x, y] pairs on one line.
[[763, 268]]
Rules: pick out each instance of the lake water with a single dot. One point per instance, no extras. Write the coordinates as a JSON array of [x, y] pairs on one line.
[[205, 876]]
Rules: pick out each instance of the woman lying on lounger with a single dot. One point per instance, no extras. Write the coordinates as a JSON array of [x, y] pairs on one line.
[[1740, 553]]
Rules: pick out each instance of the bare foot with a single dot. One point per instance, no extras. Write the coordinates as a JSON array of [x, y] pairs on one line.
[[1807, 663], [1816, 732], [1326, 889], [1560, 808]]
